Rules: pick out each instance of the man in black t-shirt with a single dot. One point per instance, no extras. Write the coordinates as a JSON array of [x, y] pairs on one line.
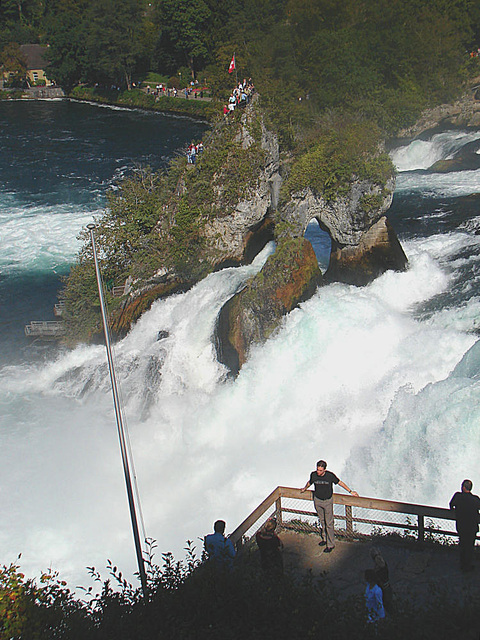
[[323, 482], [466, 505]]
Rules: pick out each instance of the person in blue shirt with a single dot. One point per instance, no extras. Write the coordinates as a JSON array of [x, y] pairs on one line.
[[220, 550], [373, 598]]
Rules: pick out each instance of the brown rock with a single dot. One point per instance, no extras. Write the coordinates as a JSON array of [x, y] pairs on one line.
[[377, 251], [133, 309], [289, 277]]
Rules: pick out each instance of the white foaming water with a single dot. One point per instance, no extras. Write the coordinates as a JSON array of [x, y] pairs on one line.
[[40, 237], [458, 183], [351, 376], [422, 154]]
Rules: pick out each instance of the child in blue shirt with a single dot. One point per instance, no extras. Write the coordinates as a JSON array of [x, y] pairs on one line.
[[373, 598]]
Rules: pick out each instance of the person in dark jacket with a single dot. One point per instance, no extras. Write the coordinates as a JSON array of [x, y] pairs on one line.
[[270, 547], [466, 506], [380, 570], [220, 550]]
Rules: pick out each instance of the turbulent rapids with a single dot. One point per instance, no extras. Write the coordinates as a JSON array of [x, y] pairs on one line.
[[382, 382]]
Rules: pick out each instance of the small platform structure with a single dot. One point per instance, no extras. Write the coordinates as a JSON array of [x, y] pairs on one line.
[[49, 330]]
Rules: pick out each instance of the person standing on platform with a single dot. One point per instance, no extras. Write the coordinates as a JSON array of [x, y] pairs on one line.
[[270, 547], [466, 505], [323, 482]]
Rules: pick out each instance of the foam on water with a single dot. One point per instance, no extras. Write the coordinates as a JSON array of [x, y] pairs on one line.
[[325, 385], [422, 154], [455, 184], [40, 237]]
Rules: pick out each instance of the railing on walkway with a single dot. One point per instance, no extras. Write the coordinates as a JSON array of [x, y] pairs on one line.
[[355, 518], [118, 292], [50, 329], [122, 289], [58, 309]]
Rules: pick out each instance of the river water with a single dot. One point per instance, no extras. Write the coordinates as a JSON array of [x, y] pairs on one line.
[[382, 382]]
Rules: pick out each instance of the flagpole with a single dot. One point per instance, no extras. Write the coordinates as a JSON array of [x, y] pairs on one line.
[[236, 74], [119, 420]]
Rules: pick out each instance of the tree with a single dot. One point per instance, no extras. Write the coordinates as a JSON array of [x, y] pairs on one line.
[[119, 41], [13, 63], [65, 26], [185, 29]]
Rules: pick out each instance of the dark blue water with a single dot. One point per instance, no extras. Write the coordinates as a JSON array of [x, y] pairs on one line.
[[58, 159]]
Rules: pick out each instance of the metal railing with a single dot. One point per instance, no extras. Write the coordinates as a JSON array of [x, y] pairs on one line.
[[118, 292], [50, 329], [59, 308], [355, 518]]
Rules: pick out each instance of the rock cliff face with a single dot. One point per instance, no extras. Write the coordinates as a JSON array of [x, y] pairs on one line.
[[377, 251], [240, 177], [242, 194], [364, 244], [245, 229], [347, 217]]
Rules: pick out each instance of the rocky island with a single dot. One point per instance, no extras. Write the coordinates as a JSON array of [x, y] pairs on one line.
[[166, 232]]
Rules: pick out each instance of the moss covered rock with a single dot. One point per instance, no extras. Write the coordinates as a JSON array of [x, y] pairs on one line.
[[289, 276]]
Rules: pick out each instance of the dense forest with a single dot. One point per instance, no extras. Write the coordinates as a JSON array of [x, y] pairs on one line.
[[385, 59]]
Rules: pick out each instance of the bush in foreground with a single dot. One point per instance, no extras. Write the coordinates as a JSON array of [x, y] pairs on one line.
[[188, 600]]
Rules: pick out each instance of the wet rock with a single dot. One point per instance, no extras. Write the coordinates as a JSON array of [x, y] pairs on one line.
[[290, 276], [377, 251]]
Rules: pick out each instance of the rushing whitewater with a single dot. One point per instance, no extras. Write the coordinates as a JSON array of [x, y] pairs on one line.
[[382, 382]]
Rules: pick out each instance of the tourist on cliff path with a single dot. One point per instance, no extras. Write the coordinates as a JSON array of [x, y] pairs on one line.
[[220, 550], [465, 505], [270, 547], [323, 482]]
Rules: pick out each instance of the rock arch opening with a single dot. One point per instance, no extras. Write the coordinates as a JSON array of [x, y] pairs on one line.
[[321, 242]]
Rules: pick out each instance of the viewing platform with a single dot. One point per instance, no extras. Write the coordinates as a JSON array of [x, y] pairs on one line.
[[418, 543], [50, 330]]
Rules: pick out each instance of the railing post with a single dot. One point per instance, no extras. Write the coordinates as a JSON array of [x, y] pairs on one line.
[[278, 510], [421, 528], [349, 520]]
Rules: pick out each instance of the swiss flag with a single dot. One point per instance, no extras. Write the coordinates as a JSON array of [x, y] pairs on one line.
[[231, 68]]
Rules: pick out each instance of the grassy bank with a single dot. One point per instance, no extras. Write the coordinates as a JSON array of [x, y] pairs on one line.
[[202, 109]]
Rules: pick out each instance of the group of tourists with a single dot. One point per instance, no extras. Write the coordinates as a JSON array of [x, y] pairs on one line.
[[193, 150], [240, 96], [161, 89], [378, 593]]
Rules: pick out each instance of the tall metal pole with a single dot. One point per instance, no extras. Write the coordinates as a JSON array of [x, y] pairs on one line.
[[120, 426]]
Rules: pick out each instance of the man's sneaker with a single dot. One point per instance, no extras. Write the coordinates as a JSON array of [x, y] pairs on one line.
[[322, 543], [328, 550]]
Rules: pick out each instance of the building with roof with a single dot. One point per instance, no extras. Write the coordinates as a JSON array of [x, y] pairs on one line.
[[36, 61]]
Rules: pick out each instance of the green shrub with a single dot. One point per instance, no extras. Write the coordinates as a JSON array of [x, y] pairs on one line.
[[339, 153]]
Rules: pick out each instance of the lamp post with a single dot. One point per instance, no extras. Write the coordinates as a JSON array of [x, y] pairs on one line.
[[119, 420]]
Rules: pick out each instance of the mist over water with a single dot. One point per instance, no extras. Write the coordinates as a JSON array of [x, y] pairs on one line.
[[380, 381]]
